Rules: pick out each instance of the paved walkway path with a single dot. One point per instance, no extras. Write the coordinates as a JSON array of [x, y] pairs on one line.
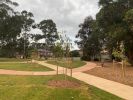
[[115, 88], [13, 72], [62, 70], [88, 66], [120, 90]]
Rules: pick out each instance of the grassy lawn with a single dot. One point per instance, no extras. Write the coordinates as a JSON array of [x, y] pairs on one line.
[[13, 60], [98, 94], [74, 64], [36, 88], [24, 67]]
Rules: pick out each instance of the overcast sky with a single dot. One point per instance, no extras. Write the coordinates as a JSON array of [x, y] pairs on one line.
[[67, 14]]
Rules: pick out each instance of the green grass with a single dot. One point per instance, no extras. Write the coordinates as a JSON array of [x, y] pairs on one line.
[[24, 67], [35, 88], [13, 60], [98, 94], [74, 64]]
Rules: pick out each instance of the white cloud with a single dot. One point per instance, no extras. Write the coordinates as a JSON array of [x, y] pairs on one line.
[[67, 14]]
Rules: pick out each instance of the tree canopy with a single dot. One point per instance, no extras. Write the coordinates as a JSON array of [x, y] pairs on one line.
[[113, 26], [15, 28], [89, 39], [49, 30]]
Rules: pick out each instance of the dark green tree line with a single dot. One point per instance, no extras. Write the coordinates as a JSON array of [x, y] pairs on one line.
[[115, 21], [9, 27], [15, 28], [49, 35], [113, 26], [90, 42]]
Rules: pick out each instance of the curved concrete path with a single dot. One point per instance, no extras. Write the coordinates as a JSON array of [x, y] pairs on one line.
[[86, 67], [121, 90], [118, 89], [13, 72]]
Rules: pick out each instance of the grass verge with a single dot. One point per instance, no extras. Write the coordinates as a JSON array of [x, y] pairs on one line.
[[36, 88], [13, 60], [73, 64], [24, 67]]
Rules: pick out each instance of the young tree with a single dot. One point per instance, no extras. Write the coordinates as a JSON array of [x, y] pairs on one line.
[[120, 56], [67, 47], [58, 53], [74, 53]]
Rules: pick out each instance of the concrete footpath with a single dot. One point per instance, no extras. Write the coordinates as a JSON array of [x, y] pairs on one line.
[[121, 90], [118, 89]]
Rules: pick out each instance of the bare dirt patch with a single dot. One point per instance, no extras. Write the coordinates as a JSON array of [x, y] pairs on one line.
[[114, 74], [63, 84]]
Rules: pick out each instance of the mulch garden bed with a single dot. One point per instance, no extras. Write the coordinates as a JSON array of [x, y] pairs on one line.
[[114, 74]]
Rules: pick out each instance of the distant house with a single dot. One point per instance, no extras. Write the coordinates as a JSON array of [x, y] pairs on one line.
[[44, 53]]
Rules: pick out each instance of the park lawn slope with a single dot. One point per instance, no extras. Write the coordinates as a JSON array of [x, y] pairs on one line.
[[36, 88], [73, 64], [24, 67]]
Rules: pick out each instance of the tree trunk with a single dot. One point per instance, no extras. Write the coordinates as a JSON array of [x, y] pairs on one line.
[[123, 69], [130, 56]]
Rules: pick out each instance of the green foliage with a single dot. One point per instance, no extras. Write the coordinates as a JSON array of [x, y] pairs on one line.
[[49, 30], [115, 22], [12, 27], [113, 25], [15, 28], [129, 17], [27, 22], [118, 55], [74, 53], [89, 36], [105, 2], [58, 50]]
